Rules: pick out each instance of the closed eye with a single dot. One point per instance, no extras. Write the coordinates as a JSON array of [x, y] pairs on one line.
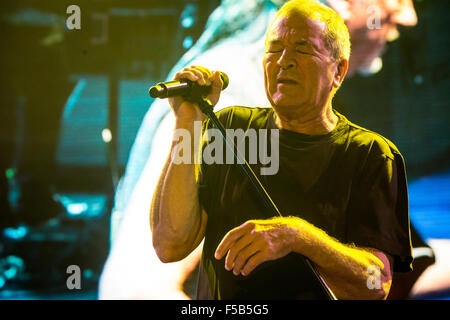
[[274, 47], [281, 50], [302, 52], [274, 50]]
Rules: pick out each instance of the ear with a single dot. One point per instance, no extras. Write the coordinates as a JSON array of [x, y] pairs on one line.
[[341, 71]]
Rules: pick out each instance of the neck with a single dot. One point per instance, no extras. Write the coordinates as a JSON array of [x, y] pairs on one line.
[[311, 123]]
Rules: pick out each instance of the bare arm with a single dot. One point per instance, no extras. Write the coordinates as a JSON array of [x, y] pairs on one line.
[[351, 272], [177, 219], [347, 270]]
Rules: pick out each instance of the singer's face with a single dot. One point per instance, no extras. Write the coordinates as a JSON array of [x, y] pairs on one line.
[[298, 67]]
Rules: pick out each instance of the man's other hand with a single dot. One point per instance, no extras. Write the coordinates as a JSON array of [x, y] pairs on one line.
[[256, 241]]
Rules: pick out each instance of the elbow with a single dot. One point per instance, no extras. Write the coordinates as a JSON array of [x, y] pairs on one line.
[[383, 292], [380, 294], [379, 276], [166, 257], [374, 287], [379, 287], [384, 283], [167, 253], [365, 293], [162, 248]]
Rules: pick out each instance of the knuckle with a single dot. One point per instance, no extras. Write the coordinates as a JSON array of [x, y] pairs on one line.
[[247, 270], [250, 265], [250, 223], [265, 248], [231, 256]]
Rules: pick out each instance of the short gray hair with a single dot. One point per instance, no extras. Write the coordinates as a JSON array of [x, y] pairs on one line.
[[337, 37]]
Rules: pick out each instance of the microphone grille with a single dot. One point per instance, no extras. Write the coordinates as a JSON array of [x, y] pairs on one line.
[[225, 80]]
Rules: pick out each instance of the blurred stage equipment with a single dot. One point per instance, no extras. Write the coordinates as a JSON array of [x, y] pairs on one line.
[[42, 223]]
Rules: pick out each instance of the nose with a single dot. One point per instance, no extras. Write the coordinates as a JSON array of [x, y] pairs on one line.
[[286, 60]]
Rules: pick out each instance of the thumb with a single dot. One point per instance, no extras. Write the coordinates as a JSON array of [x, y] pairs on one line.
[[217, 82], [216, 87]]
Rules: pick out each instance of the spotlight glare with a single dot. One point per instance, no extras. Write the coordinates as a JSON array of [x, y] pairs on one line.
[[106, 135], [187, 42]]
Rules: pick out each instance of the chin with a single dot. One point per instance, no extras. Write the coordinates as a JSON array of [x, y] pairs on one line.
[[286, 107], [285, 103]]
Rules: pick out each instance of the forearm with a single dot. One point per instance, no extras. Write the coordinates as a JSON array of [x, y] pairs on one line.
[[176, 217], [347, 270]]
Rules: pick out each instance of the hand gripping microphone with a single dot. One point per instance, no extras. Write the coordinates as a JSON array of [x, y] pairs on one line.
[[183, 87]]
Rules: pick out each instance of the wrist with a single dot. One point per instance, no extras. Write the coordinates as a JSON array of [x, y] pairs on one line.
[[301, 239], [187, 114], [187, 122]]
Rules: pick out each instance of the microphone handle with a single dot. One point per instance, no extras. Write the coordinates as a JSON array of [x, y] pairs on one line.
[[175, 88], [184, 87], [169, 89]]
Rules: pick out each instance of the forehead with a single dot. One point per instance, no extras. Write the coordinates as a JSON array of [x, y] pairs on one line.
[[293, 27]]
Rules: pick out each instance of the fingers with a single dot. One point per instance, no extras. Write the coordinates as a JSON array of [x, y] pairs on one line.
[[243, 257], [237, 249], [230, 238], [254, 261], [217, 82], [186, 111], [255, 242], [203, 77], [198, 74], [245, 249]]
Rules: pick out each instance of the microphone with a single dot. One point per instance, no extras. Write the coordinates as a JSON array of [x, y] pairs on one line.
[[183, 87]]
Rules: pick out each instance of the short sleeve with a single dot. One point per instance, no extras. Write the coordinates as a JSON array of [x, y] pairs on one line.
[[378, 214]]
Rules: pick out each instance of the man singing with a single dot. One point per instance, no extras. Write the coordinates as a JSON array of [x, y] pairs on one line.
[[340, 188]]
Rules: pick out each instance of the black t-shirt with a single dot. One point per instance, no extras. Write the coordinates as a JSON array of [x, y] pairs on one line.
[[350, 183]]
